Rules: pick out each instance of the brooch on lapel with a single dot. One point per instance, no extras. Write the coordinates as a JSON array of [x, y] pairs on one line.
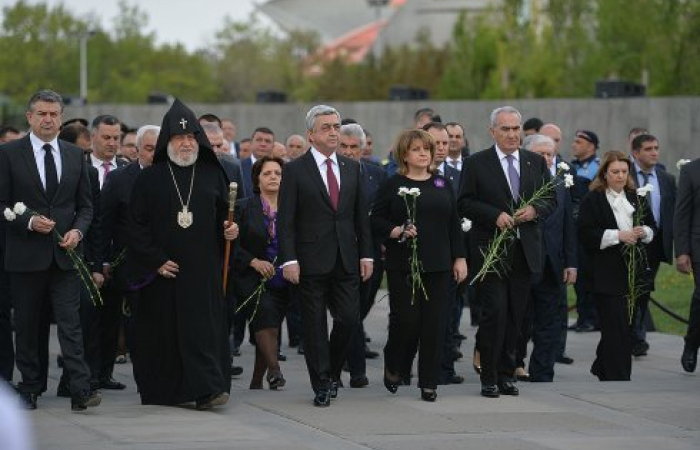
[[439, 182]]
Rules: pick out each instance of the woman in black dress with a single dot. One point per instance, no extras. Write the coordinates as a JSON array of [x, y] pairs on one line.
[[254, 263], [607, 230], [416, 316]]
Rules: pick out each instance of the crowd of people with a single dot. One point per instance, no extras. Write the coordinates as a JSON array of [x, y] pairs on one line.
[[166, 243]]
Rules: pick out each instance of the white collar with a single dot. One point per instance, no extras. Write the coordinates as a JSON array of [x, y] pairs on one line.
[[39, 144], [320, 158], [501, 155]]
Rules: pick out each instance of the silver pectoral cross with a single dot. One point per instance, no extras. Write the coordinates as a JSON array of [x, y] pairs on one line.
[[183, 122], [184, 217]]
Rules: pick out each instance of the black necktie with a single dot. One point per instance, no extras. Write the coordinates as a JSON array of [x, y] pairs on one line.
[[50, 172]]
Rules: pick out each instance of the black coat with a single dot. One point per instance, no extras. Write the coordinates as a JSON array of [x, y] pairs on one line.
[[253, 239], [71, 207], [485, 194], [310, 231], [607, 271], [687, 214]]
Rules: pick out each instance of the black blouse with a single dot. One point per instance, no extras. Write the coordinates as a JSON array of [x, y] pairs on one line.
[[440, 236]]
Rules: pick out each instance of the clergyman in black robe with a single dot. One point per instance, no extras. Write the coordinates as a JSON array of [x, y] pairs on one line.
[[178, 213]]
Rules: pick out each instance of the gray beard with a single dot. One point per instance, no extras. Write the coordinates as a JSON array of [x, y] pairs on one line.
[[181, 161]]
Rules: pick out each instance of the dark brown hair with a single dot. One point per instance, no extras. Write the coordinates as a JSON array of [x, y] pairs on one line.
[[257, 169], [599, 183]]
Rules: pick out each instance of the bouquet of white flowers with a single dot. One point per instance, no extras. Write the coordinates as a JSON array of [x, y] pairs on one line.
[[410, 197]]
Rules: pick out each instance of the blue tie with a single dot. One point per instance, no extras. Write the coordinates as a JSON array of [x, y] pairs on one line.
[[514, 178]]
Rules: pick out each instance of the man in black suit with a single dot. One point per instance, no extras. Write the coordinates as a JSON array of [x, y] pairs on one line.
[[325, 246], [261, 143], [559, 249], [352, 143], [114, 205], [494, 181], [645, 150], [106, 139], [686, 226], [50, 177]]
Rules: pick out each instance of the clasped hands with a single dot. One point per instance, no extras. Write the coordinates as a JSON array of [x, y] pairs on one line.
[[631, 237], [522, 215]]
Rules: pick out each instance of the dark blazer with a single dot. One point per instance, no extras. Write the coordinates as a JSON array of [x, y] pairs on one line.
[[453, 175], [309, 230], [607, 271], [667, 186], [115, 201], [94, 246], [253, 239], [233, 173], [372, 177], [71, 207], [686, 221], [484, 194], [246, 173], [559, 234]]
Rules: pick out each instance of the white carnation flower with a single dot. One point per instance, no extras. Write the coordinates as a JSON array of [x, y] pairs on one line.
[[403, 191], [563, 166], [9, 215], [568, 180], [414, 192], [644, 190], [20, 208], [466, 224], [681, 163]]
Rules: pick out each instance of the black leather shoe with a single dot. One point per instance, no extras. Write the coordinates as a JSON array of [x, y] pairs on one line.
[[111, 383], [370, 354], [28, 400], [359, 382], [300, 349], [585, 328], [236, 371], [208, 402], [507, 388], [281, 356], [83, 400], [689, 359], [236, 350], [276, 380], [454, 379], [565, 359], [521, 374], [640, 349], [391, 386], [63, 390], [334, 389], [456, 354], [490, 391], [428, 395], [322, 398]]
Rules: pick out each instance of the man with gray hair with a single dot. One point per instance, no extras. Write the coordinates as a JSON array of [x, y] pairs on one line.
[[296, 146], [494, 183], [547, 310], [325, 246]]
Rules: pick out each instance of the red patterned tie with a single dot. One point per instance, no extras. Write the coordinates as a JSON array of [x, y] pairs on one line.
[[332, 183]]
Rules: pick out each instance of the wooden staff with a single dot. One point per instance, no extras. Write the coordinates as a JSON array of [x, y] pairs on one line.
[[232, 193]]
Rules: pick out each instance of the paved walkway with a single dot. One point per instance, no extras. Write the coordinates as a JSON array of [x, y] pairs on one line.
[[659, 409]]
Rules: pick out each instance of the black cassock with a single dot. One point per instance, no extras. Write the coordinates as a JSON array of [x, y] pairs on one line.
[[181, 334]]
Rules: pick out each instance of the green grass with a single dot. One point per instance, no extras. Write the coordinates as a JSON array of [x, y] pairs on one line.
[[673, 290]]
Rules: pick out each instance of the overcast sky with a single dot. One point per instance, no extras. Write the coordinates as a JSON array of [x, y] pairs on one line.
[[187, 21]]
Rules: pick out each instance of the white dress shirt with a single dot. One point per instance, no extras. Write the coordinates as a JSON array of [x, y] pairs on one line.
[[39, 154], [99, 165], [504, 163], [320, 159]]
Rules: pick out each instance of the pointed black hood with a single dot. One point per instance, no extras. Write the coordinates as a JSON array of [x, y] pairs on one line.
[[181, 120]]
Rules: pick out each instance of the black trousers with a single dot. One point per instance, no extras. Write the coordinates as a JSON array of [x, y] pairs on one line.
[[451, 326], [368, 291], [563, 321], [7, 347], [30, 291], [503, 303], [585, 306], [613, 356], [692, 337], [337, 292], [545, 299], [416, 325]]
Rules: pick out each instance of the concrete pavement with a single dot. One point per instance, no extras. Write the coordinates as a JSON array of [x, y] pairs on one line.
[[658, 409]]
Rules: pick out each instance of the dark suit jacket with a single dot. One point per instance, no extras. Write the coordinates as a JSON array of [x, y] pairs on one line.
[[246, 173], [115, 201], [309, 230], [71, 207], [687, 215], [453, 175], [484, 194], [607, 271], [253, 239], [560, 234], [372, 176], [93, 242], [232, 168], [667, 186]]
